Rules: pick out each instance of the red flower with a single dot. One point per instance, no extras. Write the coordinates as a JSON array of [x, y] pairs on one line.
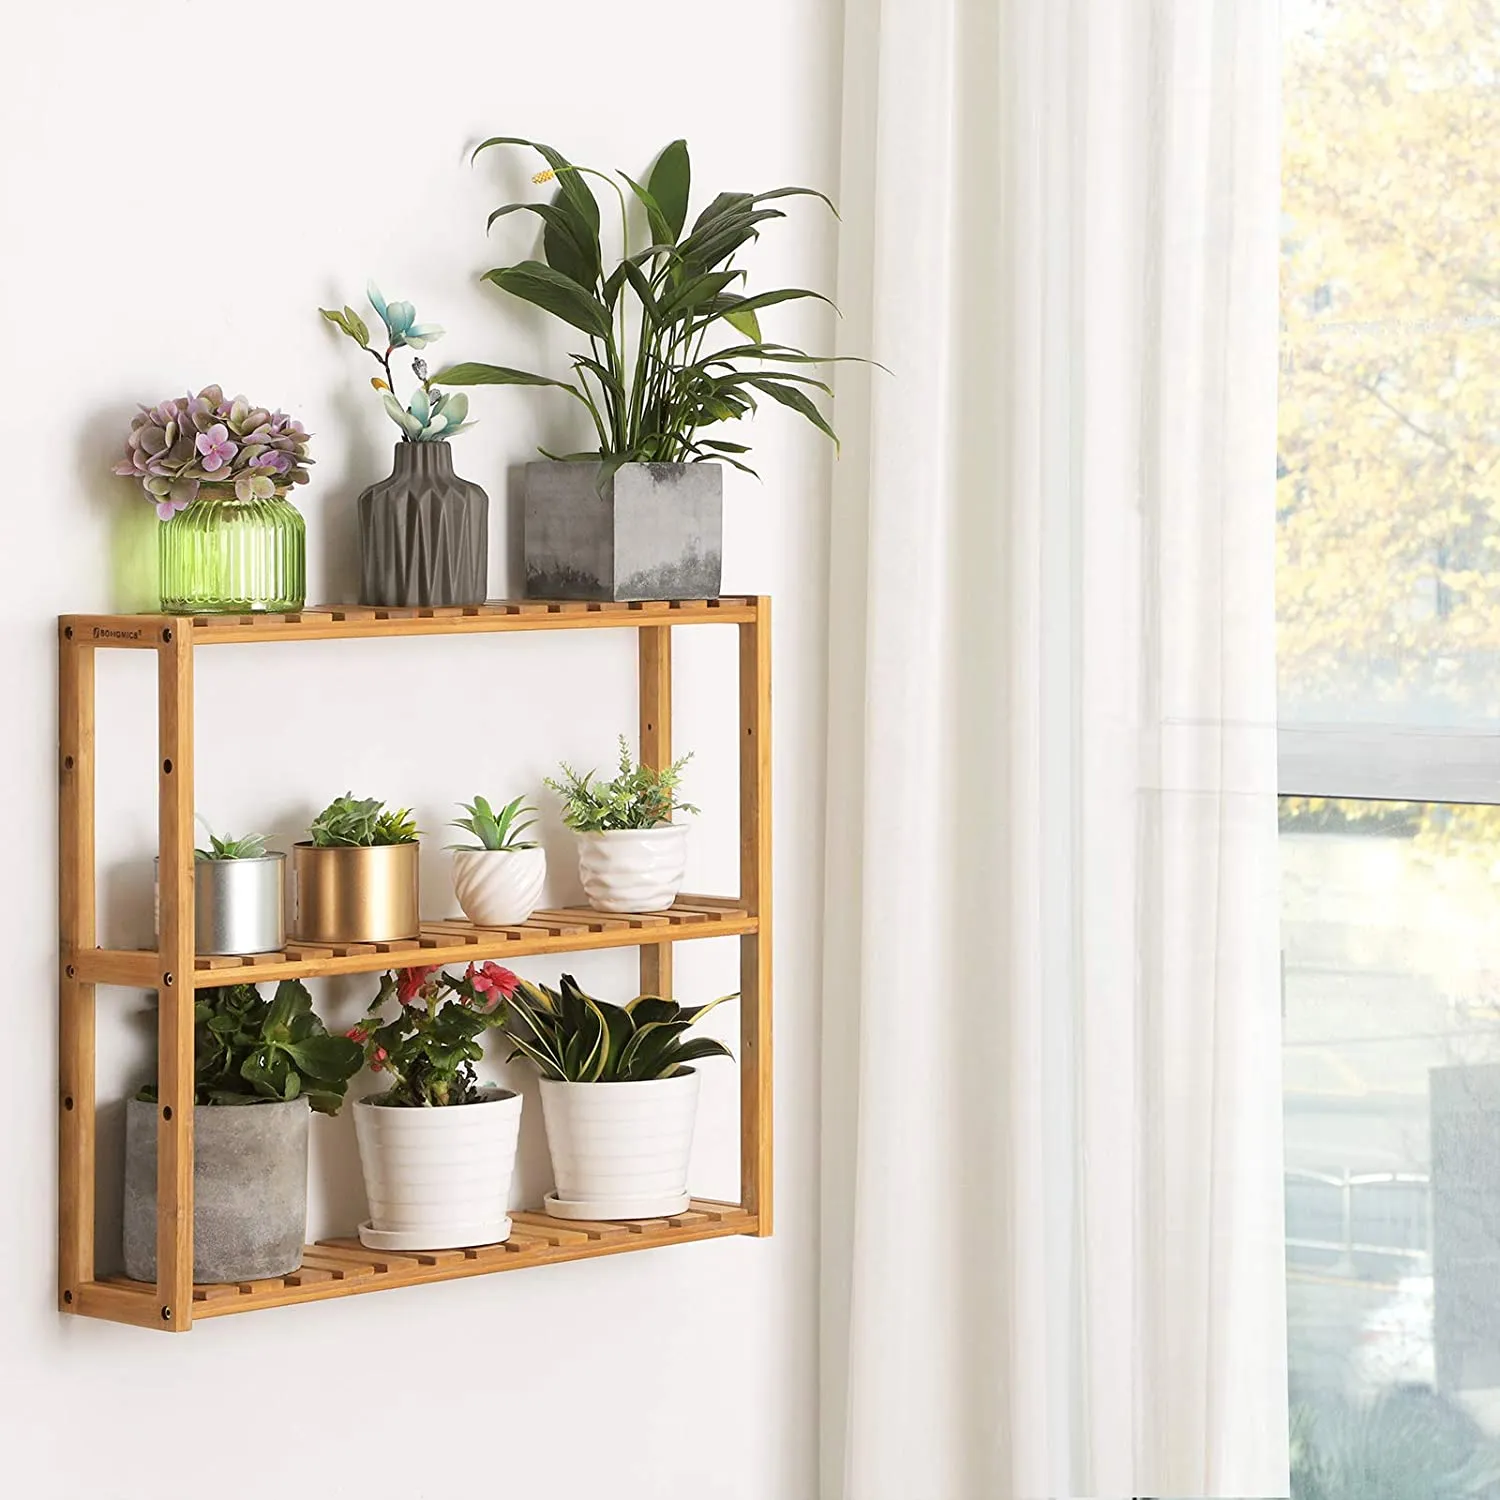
[[357, 1034], [381, 1054], [411, 982], [492, 982]]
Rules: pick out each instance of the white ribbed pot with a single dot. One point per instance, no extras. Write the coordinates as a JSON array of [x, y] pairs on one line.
[[437, 1179], [620, 1150], [499, 887], [633, 869]]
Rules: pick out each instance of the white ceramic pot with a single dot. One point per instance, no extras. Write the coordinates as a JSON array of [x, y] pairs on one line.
[[437, 1179], [633, 869], [499, 887], [620, 1150]]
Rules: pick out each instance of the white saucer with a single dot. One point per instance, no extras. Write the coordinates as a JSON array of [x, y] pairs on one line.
[[459, 1237], [659, 1207]]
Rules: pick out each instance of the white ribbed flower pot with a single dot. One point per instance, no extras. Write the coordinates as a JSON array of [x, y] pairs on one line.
[[499, 887], [620, 1150], [633, 869], [437, 1179]]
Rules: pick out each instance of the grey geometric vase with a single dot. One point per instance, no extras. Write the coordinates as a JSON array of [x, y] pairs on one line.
[[423, 533]]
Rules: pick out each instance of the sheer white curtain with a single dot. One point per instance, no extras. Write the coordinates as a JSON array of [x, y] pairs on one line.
[[1052, 1144]]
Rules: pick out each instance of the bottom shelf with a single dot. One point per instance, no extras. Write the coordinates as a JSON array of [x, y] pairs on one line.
[[343, 1267]]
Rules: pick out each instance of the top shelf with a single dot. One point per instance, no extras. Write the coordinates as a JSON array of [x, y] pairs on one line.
[[331, 622]]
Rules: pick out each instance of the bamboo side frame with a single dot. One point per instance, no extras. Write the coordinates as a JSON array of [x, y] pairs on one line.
[[172, 966], [76, 933], [654, 676]]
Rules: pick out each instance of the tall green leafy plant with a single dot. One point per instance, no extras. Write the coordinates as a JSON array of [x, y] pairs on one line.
[[674, 343], [248, 1050]]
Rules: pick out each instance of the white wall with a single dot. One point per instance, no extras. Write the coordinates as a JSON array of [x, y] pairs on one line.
[[184, 184]]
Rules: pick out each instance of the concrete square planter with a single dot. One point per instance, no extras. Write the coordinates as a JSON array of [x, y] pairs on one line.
[[656, 531]]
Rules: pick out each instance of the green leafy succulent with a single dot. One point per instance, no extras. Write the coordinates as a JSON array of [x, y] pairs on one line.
[[574, 1038], [639, 797], [249, 1050], [495, 830], [697, 357], [348, 822], [251, 846]]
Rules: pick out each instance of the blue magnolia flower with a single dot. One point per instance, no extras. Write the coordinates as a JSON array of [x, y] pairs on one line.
[[400, 319]]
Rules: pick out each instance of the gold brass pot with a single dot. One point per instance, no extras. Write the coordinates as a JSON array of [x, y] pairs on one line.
[[355, 895]]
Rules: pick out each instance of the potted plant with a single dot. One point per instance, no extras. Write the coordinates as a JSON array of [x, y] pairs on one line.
[[618, 1096], [239, 896], [437, 1147], [356, 879], [218, 471], [674, 348], [498, 880], [259, 1067], [423, 532], [631, 856]]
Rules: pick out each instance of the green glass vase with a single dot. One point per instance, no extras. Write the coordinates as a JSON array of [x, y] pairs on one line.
[[223, 555]]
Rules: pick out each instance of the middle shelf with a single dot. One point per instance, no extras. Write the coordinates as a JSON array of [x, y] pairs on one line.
[[565, 930]]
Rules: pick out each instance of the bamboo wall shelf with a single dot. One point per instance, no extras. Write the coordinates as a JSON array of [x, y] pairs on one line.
[[342, 1267]]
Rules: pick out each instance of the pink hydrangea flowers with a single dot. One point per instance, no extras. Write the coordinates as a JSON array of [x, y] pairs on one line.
[[177, 446]]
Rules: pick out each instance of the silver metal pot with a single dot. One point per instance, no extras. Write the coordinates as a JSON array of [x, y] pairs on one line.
[[239, 905]]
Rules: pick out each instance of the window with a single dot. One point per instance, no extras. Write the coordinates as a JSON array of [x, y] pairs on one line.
[[1389, 666]]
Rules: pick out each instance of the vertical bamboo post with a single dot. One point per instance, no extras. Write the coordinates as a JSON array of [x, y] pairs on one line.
[[174, 1126], [755, 892], [655, 678], [76, 932]]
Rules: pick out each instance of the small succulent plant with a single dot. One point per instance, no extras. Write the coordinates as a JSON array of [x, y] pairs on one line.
[[247, 1050], [250, 846], [430, 416], [497, 831], [350, 822], [574, 1038], [181, 444], [639, 797]]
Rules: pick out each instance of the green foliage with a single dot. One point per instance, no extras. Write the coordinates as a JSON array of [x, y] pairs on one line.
[[429, 1047], [639, 797], [349, 822], [697, 356], [251, 846], [249, 1050], [495, 830], [574, 1038], [1405, 1444]]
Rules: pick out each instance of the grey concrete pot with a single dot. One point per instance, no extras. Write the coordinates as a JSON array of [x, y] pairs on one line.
[[423, 533], [655, 531], [249, 1189]]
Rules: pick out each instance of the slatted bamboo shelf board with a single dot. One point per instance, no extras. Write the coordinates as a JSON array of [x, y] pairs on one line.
[[344, 1267], [570, 930], [341, 1267]]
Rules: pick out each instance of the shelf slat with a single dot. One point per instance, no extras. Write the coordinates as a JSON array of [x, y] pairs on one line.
[[572, 930], [328, 622], [342, 1267]]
